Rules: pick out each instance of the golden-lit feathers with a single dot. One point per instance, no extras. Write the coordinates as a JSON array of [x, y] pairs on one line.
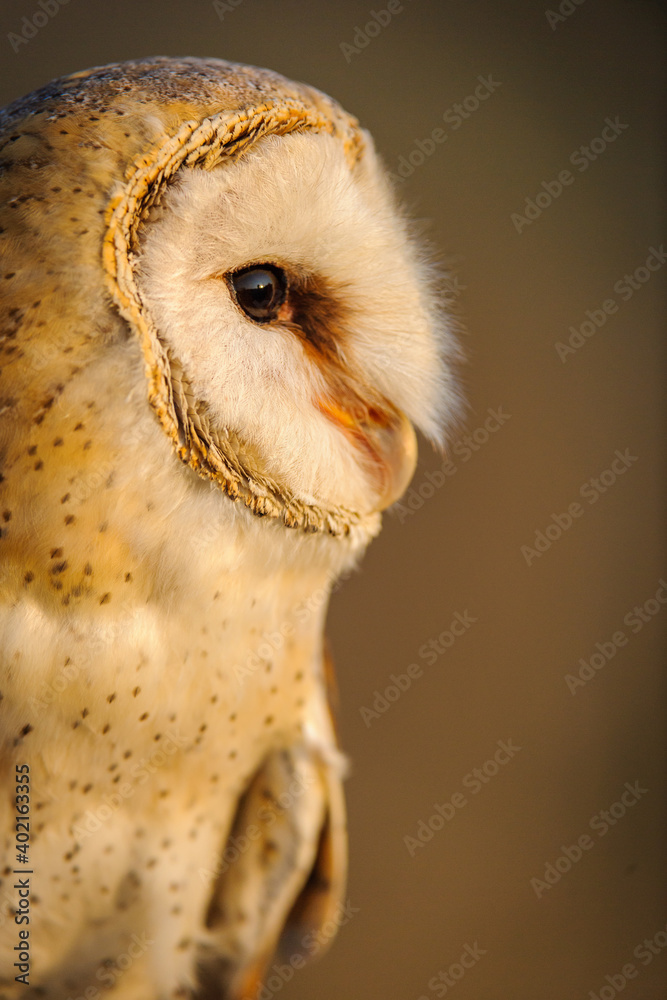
[[180, 488]]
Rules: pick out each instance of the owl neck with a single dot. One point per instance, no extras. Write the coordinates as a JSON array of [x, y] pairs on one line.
[[106, 521]]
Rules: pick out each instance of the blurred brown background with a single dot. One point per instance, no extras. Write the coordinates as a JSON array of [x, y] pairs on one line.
[[556, 79]]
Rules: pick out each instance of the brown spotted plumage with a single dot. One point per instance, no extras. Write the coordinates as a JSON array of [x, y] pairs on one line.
[[181, 483]]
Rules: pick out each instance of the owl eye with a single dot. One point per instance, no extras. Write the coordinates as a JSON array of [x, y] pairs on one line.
[[259, 291]]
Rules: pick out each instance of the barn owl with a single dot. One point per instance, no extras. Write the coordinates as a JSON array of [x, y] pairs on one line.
[[217, 338]]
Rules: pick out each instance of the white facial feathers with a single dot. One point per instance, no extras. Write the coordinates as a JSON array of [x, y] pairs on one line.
[[363, 328]]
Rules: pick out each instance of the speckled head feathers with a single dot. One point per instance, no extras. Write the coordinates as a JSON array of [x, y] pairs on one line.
[[134, 126], [86, 163], [161, 427]]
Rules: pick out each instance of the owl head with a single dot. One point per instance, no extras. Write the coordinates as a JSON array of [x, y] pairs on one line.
[[240, 231]]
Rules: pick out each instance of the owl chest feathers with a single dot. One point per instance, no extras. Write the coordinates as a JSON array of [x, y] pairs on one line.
[[218, 334], [145, 716], [160, 600]]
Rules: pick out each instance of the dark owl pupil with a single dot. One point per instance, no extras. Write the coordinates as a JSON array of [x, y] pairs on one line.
[[259, 291]]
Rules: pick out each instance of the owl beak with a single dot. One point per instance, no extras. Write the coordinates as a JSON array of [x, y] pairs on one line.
[[387, 441]]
